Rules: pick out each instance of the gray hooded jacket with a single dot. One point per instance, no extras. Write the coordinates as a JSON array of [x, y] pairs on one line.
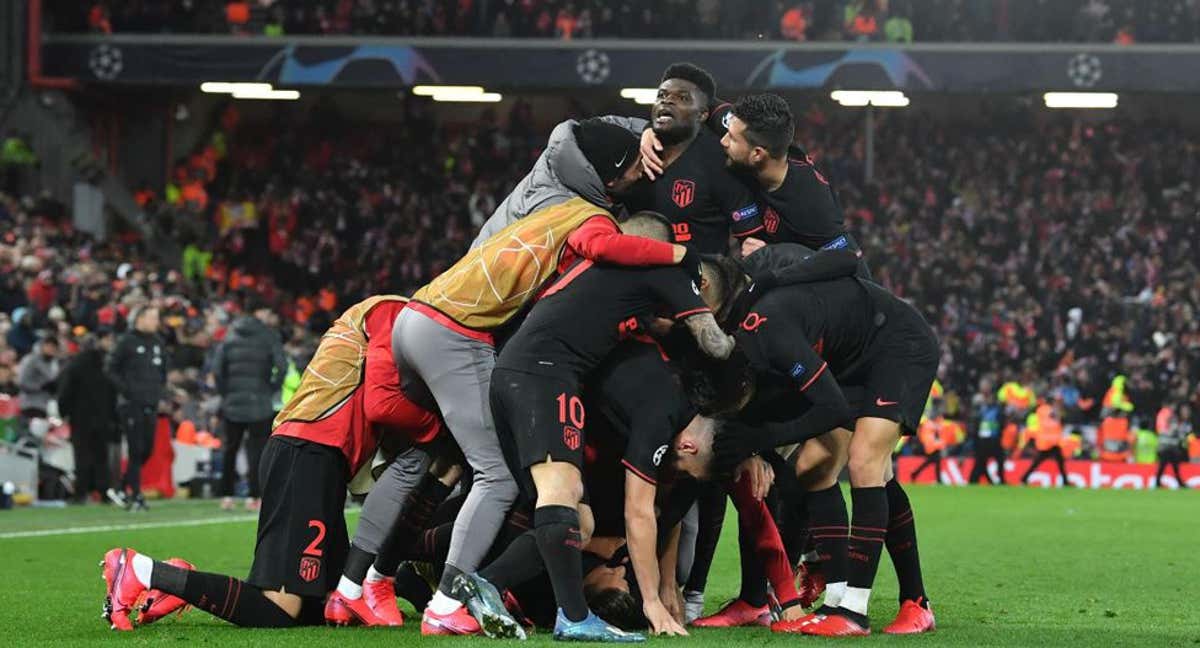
[[560, 174]]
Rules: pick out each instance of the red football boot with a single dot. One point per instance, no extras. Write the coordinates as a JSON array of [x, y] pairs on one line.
[[381, 598], [915, 617], [123, 588], [810, 584], [835, 625], [514, 608], [158, 604], [736, 614], [458, 622], [342, 611], [795, 625]]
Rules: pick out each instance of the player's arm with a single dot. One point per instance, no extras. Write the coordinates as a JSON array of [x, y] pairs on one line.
[[682, 296], [385, 403], [634, 125], [789, 263], [218, 369], [740, 200], [599, 239], [668, 584], [641, 535]]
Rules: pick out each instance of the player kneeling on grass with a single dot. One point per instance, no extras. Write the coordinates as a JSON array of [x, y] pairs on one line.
[[348, 399], [818, 338], [540, 419]]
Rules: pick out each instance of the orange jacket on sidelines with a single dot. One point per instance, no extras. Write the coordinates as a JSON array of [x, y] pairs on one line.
[[1049, 431], [929, 433], [1114, 439]]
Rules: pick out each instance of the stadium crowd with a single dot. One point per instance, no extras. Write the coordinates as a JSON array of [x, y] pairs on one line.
[[1077, 232], [1120, 21]]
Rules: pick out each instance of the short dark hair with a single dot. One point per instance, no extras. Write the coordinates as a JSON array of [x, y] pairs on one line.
[[651, 217], [768, 120], [618, 607], [695, 74], [728, 280]]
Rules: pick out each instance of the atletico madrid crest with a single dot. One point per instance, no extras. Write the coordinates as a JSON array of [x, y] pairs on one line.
[[310, 568], [683, 192]]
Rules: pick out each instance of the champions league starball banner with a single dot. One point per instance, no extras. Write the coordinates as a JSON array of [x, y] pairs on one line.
[[544, 64], [1084, 474]]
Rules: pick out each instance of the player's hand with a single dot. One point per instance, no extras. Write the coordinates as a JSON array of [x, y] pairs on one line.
[[661, 621], [652, 164], [672, 599], [750, 245], [760, 474]]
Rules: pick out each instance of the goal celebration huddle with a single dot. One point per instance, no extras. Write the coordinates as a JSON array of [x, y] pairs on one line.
[[666, 314]]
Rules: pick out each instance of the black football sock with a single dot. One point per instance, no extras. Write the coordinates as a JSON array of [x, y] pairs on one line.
[[711, 509], [829, 528], [417, 512], [795, 528], [868, 527], [754, 579], [223, 596], [411, 587], [557, 531], [901, 542], [520, 562], [446, 584], [433, 545], [357, 563]]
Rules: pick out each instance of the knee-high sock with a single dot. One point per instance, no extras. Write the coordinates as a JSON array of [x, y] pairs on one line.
[[764, 548], [520, 562], [711, 504], [829, 525], [901, 542], [868, 526], [557, 531], [222, 596]]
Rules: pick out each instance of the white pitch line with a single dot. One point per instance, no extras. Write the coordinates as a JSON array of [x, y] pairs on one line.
[[126, 527]]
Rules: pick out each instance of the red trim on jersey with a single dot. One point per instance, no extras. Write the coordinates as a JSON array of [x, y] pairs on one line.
[[694, 311], [744, 234], [447, 321], [639, 473], [820, 371], [566, 279]]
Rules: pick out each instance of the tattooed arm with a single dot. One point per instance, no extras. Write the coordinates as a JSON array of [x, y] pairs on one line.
[[709, 336]]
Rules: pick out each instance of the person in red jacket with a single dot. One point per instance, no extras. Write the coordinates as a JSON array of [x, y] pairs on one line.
[[348, 400]]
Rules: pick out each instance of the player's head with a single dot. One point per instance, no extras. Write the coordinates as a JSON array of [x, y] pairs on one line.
[[145, 319], [612, 151], [718, 387], [692, 449], [608, 594], [648, 224], [722, 281], [761, 128], [682, 103]]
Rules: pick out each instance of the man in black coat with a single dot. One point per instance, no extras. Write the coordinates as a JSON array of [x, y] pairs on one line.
[[137, 367], [248, 368], [88, 401]]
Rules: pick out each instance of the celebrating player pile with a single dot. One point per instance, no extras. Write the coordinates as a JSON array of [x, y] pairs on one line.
[[605, 387]]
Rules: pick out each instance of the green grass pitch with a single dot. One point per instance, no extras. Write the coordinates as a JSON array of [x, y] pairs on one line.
[[1004, 567]]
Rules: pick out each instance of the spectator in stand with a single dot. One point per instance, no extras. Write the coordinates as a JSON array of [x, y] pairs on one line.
[[37, 377], [1174, 429], [98, 19], [8, 383], [237, 15], [862, 20], [248, 368], [898, 28], [793, 24], [88, 402], [138, 368]]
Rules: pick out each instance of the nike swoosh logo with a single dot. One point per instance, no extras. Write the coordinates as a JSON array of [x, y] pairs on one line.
[[879, 402], [622, 162]]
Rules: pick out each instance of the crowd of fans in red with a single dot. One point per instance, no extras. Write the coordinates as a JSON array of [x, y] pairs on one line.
[[1044, 249], [1121, 21]]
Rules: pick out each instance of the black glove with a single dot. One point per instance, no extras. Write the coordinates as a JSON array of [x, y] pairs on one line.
[[733, 444], [691, 264]]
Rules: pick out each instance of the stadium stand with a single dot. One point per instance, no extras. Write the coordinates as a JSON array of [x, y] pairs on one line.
[[1097, 21]]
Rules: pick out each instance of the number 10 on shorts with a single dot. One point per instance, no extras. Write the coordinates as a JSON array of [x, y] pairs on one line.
[[571, 415]]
